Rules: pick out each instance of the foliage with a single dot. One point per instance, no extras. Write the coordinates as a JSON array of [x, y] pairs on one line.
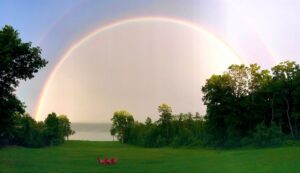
[[65, 125], [29, 133], [175, 130], [122, 122], [18, 61], [165, 124], [243, 98], [267, 136], [245, 105]]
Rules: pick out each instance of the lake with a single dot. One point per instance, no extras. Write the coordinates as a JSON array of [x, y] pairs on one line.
[[91, 131]]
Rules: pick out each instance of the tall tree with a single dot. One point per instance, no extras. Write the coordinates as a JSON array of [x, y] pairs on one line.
[[235, 103], [53, 131], [283, 76], [239, 76], [165, 119], [122, 122], [296, 102], [18, 61], [219, 97], [65, 125]]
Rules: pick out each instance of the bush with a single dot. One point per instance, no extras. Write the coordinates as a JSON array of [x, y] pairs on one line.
[[30, 133], [267, 136], [161, 141], [185, 137]]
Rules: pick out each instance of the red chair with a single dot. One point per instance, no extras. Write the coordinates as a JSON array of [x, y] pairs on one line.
[[113, 160], [99, 160], [106, 161]]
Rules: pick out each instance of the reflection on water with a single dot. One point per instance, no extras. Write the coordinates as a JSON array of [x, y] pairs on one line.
[[91, 131]]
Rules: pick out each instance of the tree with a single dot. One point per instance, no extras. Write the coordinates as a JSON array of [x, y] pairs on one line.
[[10, 109], [53, 131], [164, 109], [18, 61], [239, 78], [266, 136], [296, 102], [31, 133], [245, 105], [122, 122], [65, 125], [148, 121], [219, 97], [284, 75], [113, 133], [165, 119], [236, 102]]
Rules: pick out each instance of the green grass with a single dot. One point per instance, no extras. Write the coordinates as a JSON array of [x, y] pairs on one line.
[[80, 156]]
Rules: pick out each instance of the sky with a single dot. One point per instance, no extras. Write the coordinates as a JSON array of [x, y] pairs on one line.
[[136, 54]]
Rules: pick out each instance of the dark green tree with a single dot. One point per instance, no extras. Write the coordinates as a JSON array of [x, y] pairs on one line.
[[53, 130], [31, 133], [296, 103], [283, 77], [18, 61], [65, 125], [113, 133], [219, 97], [148, 121], [236, 103], [165, 119]]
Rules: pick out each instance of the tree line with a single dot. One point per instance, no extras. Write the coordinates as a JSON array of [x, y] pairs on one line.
[[245, 105], [175, 130], [30, 133], [20, 61]]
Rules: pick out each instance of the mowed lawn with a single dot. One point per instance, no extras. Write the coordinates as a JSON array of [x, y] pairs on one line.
[[80, 156]]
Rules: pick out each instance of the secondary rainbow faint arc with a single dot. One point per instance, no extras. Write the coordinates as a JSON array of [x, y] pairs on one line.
[[119, 23]]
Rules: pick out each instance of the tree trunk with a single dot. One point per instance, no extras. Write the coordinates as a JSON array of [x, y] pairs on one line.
[[122, 136], [167, 130], [296, 133], [288, 116], [280, 125], [272, 107]]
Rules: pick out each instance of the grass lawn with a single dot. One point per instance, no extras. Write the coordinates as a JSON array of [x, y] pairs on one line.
[[80, 156]]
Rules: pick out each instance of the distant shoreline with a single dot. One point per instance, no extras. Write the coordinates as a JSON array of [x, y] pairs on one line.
[[91, 131]]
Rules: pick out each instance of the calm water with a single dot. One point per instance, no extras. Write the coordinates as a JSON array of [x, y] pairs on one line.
[[91, 131]]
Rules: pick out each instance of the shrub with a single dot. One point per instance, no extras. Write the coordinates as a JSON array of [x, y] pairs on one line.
[[267, 136], [185, 137]]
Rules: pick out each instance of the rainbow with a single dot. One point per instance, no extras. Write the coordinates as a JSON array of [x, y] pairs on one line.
[[67, 12], [115, 24], [247, 21]]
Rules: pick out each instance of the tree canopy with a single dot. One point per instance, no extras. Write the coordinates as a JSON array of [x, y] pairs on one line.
[[122, 122], [244, 99], [18, 61], [245, 105]]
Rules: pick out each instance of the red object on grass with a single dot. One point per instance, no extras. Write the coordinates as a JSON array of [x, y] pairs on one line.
[[106, 161], [99, 160], [113, 160]]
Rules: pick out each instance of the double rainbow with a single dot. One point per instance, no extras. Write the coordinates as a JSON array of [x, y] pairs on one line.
[[194, 26]]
